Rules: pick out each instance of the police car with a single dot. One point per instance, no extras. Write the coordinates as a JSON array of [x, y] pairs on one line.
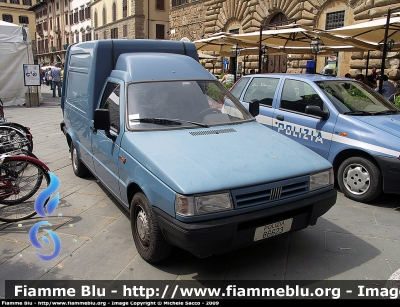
[[341, 119]]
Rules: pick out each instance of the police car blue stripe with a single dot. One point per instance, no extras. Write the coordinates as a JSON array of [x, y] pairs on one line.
[[306, 133]]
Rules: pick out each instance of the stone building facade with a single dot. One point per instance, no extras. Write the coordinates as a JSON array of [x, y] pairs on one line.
[[196, 19], [130, 19], [79, 22], [59, 23], [52, 30]]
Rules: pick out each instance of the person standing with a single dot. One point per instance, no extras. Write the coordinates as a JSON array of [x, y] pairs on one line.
[[62, 75], [388, 88], [42, 77], [56, 76], [228, 77], [361, 78], [47, 77]]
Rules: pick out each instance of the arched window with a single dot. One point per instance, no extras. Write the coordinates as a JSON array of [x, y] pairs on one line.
[[104, 16], [114, 11], [277, 63], [96, 20]]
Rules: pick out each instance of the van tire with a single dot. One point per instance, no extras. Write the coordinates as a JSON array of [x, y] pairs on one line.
[[149, 240], [360, 179], [78, 167]]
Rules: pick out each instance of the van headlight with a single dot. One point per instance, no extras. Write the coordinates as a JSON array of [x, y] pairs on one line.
[[321, 179], [202, 204]]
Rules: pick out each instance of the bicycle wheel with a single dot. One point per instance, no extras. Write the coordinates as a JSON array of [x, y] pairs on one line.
[[2, 111], [22, 179], [12, 138]]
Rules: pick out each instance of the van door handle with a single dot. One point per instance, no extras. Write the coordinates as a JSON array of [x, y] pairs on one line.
[[280, 117]]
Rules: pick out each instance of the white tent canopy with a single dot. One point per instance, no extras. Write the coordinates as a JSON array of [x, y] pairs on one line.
[[371, 31], [296, 36], [15, 50], [206, 56], [326, 50], [220, 43], [286, 39], [46, 67], [9, 32]]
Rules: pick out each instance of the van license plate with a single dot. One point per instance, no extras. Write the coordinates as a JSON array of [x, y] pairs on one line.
[[273, 229]]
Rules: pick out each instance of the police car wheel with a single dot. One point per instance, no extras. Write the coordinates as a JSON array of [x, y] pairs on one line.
[[359, 179], [78, 167], [149, 240]]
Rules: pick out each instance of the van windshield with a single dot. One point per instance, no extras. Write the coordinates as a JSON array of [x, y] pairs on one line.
[[182, 104], [356, 98]]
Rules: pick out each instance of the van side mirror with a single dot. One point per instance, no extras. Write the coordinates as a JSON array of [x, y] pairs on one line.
[[254, 107], [316, 110], [102, 122]]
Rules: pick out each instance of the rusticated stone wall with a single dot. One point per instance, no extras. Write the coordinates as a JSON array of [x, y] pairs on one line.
[[199, 19]]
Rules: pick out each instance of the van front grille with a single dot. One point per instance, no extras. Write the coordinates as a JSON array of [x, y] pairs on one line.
[[271, 192]]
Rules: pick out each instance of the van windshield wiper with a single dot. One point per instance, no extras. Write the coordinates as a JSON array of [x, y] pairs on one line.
[[386, 112], [362, 113], [165, 121]]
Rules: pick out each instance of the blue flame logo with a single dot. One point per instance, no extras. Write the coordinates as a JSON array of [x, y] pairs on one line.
[[45, 194], [40, 205]]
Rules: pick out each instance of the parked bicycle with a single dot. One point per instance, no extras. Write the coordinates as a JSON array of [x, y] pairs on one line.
[[22, 131], [12, 138], [22, 179], [1, 110], [20, 127]]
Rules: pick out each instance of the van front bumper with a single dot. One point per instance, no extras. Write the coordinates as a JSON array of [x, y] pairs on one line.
[[218, 236], [391, 174]]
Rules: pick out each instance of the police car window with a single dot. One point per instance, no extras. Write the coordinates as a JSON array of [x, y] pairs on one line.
[[352, 96], [238, 88], [296, 95], [262, 89], [110, 101]]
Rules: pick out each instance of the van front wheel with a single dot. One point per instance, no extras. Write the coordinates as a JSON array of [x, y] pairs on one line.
[[79, 168], [149, 240], [359, 179]]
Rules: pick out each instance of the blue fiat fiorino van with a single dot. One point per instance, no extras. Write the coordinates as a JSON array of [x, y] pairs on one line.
[[181, 154], [341, 119]]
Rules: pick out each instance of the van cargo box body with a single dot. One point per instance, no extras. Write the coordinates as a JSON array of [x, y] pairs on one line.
[[181, 154]]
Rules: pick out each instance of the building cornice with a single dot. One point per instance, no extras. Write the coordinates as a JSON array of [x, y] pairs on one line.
[[37, 5]]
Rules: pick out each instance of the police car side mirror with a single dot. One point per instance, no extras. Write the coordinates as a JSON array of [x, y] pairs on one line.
[[254, 107], [316, 110]]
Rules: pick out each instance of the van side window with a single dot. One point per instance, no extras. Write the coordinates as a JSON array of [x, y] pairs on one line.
[[262, 89], [77, 90], [110, 101], [296, 95]]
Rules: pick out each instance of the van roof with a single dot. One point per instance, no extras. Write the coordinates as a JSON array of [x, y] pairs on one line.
[[146, 66]]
